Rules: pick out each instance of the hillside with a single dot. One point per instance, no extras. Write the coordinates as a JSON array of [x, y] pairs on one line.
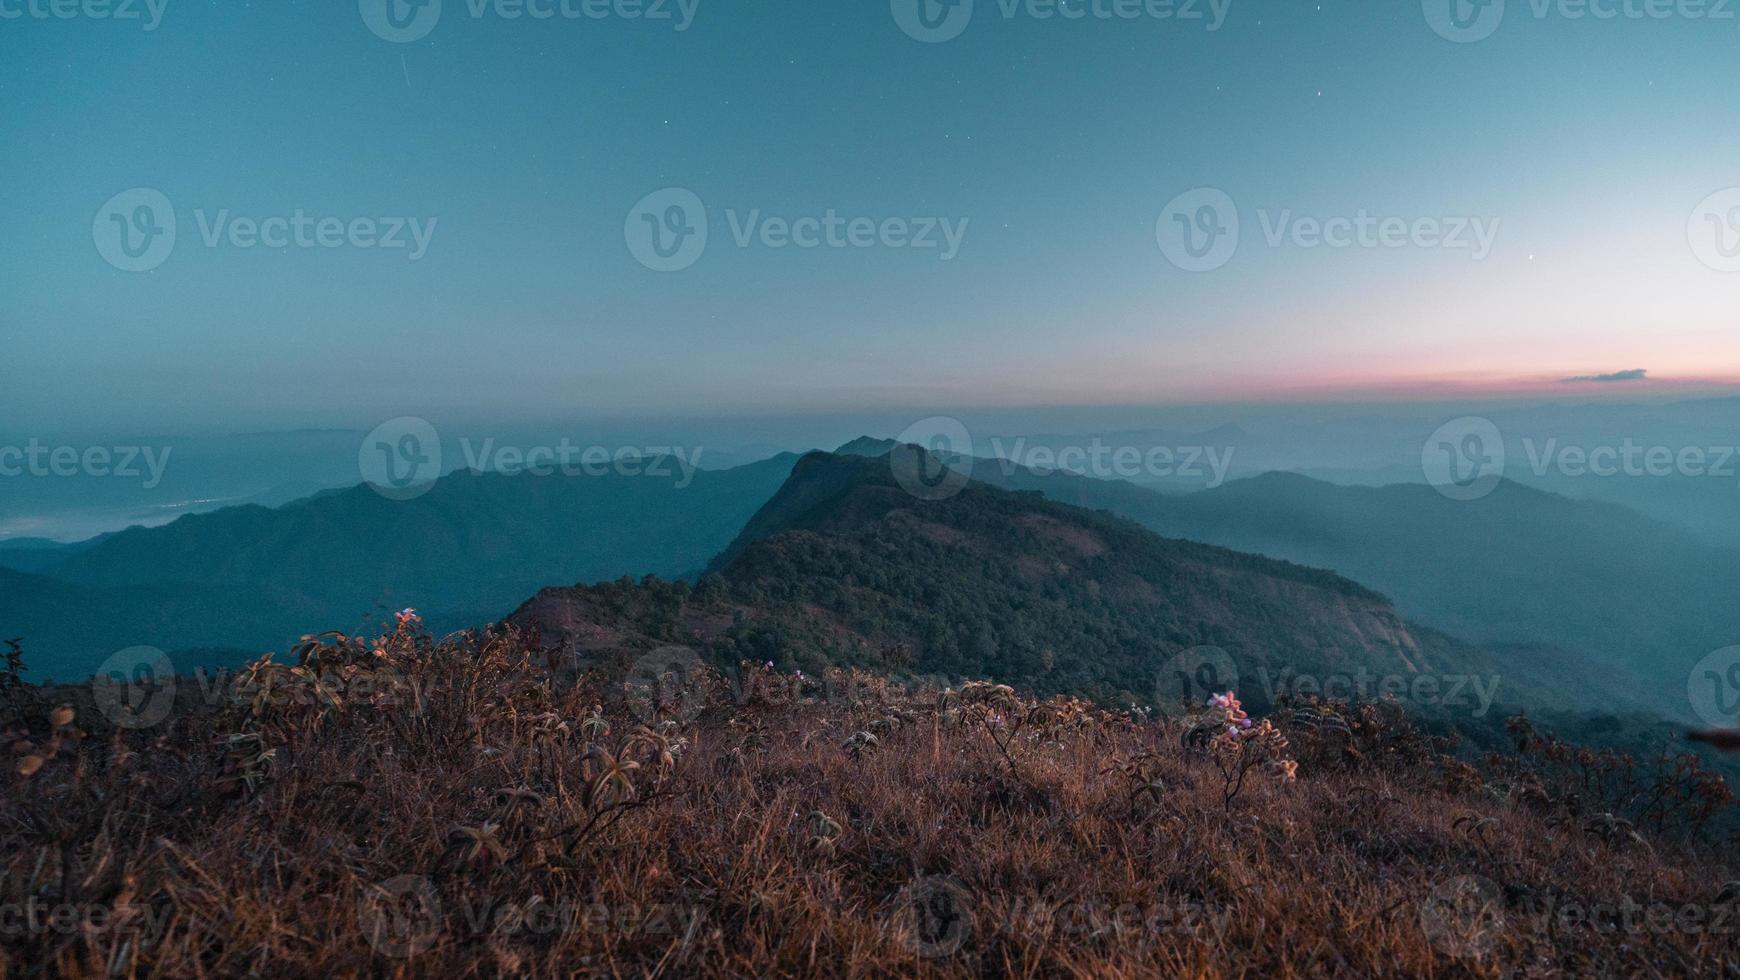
[[464, 553], [36, 554], [448, 808], [1630, 601], [1521, 566], [842, 567]]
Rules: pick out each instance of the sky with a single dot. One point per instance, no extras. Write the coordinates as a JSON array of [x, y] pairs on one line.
[[1558, 196]]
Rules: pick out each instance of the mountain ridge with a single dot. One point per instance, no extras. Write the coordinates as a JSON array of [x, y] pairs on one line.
[[842, 566]]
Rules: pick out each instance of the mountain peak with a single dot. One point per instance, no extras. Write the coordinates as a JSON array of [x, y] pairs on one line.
[[844, 564], [867, 446]]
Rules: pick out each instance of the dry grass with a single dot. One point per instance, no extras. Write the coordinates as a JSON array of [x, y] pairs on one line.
[[408, 808]]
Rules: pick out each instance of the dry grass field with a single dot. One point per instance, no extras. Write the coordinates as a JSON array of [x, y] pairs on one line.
[[413, 807]]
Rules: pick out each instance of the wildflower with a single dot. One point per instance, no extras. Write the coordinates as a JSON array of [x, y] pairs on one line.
[[406, 616], [1242, 745]]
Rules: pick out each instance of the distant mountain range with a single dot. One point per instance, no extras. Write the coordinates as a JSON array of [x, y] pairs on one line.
[[1630, 595], [1593, 599], [1632, 602], [251, 579]]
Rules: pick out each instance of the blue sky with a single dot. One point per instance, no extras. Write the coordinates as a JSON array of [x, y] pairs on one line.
[[521, 146]]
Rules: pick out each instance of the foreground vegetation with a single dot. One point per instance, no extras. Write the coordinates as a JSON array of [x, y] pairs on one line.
[[409, 807]]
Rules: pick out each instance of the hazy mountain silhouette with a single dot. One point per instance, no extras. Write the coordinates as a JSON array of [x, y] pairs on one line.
[[464, 553]]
